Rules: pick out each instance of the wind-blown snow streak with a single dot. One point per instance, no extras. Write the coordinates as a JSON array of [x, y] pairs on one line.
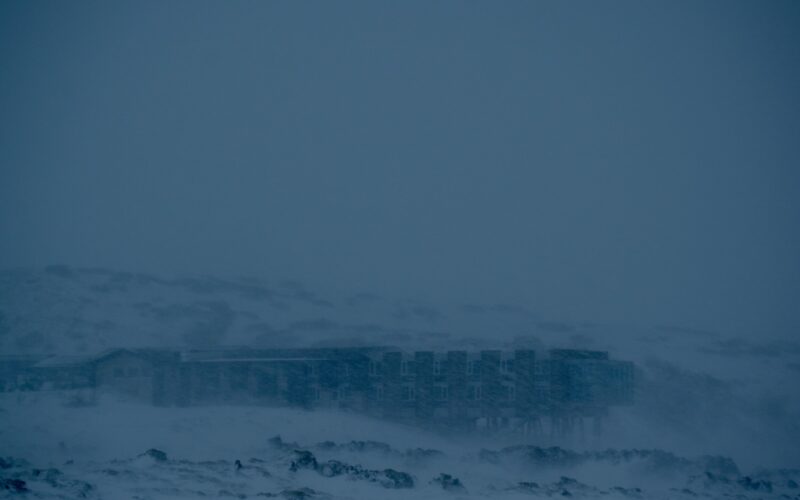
[[699, 392], [123, 450]]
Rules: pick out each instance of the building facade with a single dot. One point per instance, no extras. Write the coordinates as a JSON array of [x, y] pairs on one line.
[[456, 388]]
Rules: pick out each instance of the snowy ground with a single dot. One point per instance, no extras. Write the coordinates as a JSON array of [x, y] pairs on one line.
[[699, 393], [126, 450]]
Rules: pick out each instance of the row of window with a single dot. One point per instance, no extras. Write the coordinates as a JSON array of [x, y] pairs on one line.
[[340, 394], [409, 367], [442, 393], [408, 393], [130, 372]]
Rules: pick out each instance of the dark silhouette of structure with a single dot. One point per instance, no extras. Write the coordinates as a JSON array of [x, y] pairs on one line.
[[459, 389]]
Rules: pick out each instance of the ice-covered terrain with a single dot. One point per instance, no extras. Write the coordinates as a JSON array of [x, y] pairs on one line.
[[124, 450], [715, 415]]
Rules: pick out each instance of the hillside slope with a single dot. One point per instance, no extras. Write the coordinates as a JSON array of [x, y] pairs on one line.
[[698, 391]]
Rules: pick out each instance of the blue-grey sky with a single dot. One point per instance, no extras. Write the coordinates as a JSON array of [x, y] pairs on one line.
[[624, 161]]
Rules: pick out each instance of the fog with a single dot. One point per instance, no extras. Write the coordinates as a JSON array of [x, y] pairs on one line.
[[618, 177], [626, 162]]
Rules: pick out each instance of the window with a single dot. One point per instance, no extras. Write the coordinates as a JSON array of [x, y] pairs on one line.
[[373, 368], [408, 393], [474, 392], [507, 366], [440, 392], [315, 394], [474, 368], [406, 368], [511, 392], [238, 377], [211, 378], [437, 367], [379, 393], [267, 384]]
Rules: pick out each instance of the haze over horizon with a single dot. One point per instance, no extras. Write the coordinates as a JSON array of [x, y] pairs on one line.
[[625, 162]]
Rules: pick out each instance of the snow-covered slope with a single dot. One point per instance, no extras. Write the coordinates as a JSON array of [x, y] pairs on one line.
[[699, 392], [123, 450], [70, 310]]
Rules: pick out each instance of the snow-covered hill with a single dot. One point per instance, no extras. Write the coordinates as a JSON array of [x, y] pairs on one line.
[[698, 392], [78, 310], [122, 450]]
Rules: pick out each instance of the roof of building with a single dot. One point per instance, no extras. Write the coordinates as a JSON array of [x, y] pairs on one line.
[[65, 361], [577, 354], [256, 360], [73, 360], [244, 354], [311, 353]]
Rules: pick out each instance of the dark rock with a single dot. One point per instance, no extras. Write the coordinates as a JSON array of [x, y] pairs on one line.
[[333, 468], [157, 455], [748, 483], [56, 479], [448, 482], [13, 485], [388, 478], [303, 460], [397, 479], [711, 478], [628, 492], [295, 494], [568, 481], [50, 476], [568, 485], [298, 494]]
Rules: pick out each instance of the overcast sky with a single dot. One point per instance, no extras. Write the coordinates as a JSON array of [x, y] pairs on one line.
[[609, 161]]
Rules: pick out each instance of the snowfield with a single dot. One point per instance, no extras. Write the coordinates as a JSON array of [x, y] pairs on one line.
[[717, 414], [124, 449]]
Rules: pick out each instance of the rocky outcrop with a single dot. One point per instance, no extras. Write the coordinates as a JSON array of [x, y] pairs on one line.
[[388, 478], [449, 483]]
